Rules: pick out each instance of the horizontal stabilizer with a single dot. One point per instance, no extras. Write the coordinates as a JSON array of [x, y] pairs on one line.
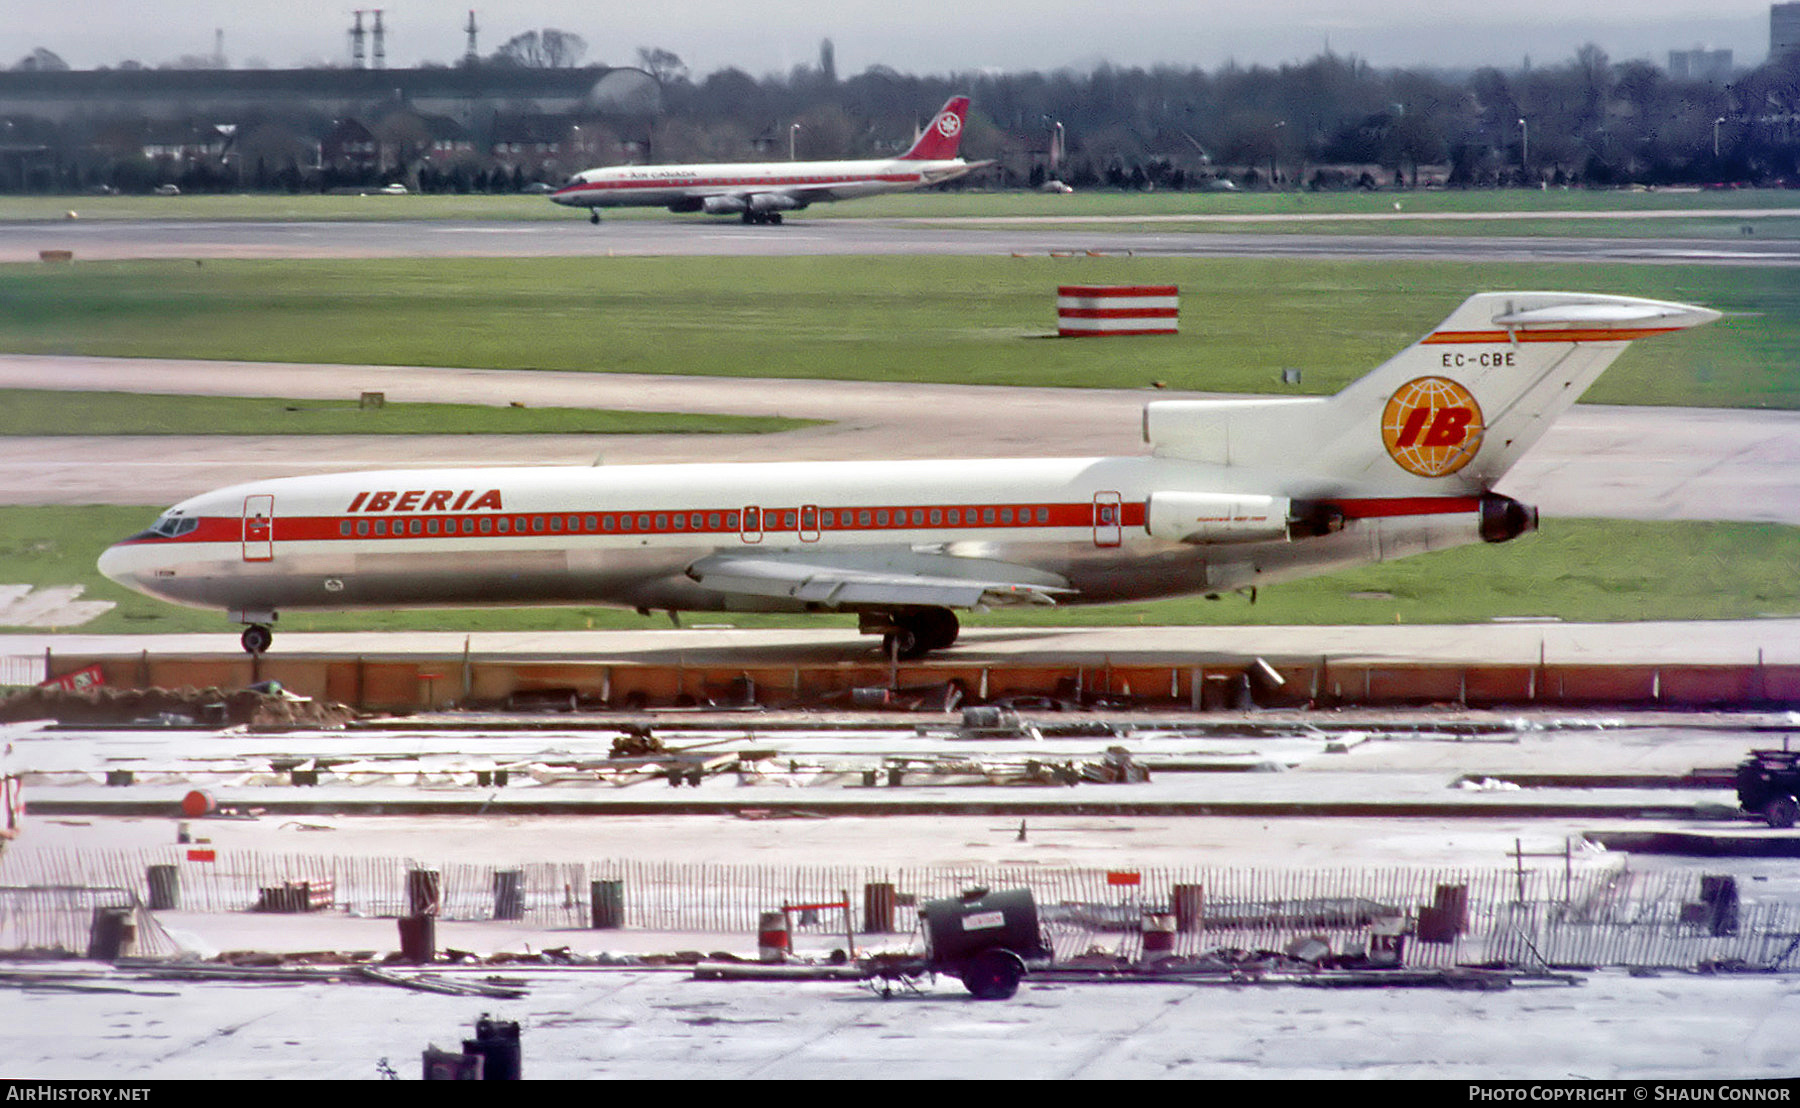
[[1673, 316]]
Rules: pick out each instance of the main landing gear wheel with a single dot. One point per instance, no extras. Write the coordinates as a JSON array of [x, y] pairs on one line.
[[256, 638], [918, 632], [594, 216], [901, 644]]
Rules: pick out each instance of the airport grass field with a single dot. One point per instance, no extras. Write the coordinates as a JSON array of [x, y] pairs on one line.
[[974, 320], [963, 320]]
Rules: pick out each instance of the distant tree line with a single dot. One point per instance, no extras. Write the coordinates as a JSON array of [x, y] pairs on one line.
[[1330, 122]]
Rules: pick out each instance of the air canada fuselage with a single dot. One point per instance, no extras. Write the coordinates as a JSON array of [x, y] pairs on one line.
[[759, 192]]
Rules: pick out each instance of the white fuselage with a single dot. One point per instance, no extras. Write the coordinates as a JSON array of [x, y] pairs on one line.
[[630, 536]]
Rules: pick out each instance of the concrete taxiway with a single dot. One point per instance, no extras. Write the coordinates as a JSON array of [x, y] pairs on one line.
[[1771, 641]]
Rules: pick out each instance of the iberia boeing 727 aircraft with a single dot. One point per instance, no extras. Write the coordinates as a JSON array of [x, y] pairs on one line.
[[1233, 493], [761, 191]]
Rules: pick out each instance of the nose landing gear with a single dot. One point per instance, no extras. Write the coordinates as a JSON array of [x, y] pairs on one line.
[[256, 639]]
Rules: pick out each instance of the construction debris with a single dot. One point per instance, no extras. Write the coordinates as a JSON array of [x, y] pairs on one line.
[[266, 706]]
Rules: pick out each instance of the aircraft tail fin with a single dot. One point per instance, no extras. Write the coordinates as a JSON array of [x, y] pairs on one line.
[[940, 141], [1449, 414]]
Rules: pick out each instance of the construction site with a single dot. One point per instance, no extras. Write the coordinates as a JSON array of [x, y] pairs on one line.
[[492, 831]]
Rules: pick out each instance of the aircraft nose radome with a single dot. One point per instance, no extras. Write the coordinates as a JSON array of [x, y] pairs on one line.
[[115, 565]]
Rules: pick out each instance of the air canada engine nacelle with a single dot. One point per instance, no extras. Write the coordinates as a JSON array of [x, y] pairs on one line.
[[1201, 517], [773, 202], [722, 205]]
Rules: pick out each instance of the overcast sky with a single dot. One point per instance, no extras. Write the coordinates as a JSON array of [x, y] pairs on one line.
[[922, 37]]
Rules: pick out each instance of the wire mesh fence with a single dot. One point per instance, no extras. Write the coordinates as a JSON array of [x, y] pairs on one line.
[[21, 670], [66, 920], [1598, 915]]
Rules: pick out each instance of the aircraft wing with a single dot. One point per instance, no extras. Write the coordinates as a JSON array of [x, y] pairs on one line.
[[839, 585]]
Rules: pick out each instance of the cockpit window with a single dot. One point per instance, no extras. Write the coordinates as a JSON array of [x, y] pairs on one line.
[[173, 526]]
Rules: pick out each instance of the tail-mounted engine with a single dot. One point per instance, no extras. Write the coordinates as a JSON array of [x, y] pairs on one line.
[[1504, 518], [1201, 517]]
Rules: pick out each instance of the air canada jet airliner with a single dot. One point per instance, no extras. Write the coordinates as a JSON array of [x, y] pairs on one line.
[[759, 192], [1232, 494]]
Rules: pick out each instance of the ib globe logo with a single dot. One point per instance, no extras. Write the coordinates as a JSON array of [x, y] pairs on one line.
[[1431, 426]]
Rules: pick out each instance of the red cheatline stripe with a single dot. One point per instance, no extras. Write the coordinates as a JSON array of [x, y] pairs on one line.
[[1115, 290], [1375, 507], [1118, 313], [730, 182], [774, 519], [1131, 514], [1095, 332], [1597, 334]]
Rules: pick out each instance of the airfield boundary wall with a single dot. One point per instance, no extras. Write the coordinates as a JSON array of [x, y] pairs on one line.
[[414, 683]]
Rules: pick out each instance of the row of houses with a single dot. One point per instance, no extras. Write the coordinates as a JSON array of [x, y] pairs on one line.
[[394, 143], [541, 123]]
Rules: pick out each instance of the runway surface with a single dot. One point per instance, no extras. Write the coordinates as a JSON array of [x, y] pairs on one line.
[[694, 236]]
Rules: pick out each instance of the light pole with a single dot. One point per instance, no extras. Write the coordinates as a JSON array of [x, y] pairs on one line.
[[1275, 155], [1054, 155], [1524, 148], [1716, 123], [793, 130]]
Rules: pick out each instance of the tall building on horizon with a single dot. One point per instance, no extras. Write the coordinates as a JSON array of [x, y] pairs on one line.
[[1701, 64], [1784, 29]]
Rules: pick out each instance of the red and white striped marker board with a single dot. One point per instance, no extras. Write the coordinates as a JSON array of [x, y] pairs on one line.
[[1117, 310]]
